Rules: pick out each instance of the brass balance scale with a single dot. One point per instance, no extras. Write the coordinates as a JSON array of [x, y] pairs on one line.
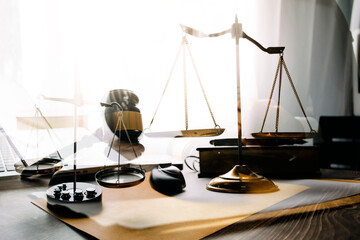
[[241, 179]]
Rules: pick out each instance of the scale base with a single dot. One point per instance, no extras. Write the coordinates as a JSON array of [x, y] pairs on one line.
[[65, 193], [241, 179]]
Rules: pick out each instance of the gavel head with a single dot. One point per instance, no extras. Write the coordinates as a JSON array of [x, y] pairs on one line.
[[130, 114]]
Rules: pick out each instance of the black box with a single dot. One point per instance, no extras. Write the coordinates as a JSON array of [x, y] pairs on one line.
[[274, 161]]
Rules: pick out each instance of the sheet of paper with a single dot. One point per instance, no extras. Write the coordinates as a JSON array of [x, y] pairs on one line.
[[157, 211]]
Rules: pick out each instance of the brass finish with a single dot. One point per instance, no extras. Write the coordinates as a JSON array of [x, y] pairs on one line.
[[130, 113], [132, 120], [288, 135], [202, 132], [279, 70], [241, 179], [187, 133]]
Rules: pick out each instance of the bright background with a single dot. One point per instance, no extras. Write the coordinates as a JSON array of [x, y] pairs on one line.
[[113, 44]]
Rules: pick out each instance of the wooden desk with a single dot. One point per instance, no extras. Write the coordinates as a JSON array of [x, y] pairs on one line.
[[320, 221], [19, 219]]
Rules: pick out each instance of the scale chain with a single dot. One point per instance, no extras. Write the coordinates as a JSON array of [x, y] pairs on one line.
[[48, 130], [185, 85], [113, 138], [280, 65], [120, 122], [167, 82], [297, 96], [279, 94], [201, 85], [129, 139], [184, 43], [271, 94]]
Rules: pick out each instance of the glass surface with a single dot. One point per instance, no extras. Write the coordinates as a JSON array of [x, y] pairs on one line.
[[122, 178], [119, 177]]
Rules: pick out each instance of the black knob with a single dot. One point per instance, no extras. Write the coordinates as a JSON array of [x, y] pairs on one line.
[[57, 192], [78, 194], [65, 195], [90, 192]]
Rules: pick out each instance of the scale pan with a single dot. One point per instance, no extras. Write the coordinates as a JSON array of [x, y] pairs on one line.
[[119, 177], [45, 166], [188, 133], [284, 135]]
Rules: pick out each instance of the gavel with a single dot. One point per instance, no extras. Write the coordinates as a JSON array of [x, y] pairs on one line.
[[130, 113]]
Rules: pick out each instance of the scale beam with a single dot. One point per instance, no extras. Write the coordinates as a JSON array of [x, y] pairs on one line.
[[270, 50], [236, 32]]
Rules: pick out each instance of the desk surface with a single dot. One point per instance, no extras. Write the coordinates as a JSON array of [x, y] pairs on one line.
[[20, 219]]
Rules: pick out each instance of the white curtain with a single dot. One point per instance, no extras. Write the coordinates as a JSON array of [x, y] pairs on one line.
[[320, 59], [132, 44]]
